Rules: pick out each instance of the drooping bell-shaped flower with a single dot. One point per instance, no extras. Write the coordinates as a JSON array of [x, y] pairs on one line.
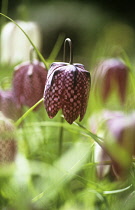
[[28, 82], [111, 75], [8, 105], [117, 130], [14, 44], [67, 88], [122, 131], [8, 144]]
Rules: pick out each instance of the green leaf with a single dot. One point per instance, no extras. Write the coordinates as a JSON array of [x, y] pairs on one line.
[[61, 172]]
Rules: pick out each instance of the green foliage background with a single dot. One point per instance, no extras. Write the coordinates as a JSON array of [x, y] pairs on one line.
[[40, 179]]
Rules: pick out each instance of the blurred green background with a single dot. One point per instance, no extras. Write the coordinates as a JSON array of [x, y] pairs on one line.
[[40, 180]]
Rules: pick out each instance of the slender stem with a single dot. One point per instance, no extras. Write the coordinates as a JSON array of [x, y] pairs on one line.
[[62, 119], [61, 138], [96, 138], [19, 121], [71, 50]]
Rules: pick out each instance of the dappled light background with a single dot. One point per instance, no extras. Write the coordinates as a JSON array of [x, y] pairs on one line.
[[48, 164], [102, 28]]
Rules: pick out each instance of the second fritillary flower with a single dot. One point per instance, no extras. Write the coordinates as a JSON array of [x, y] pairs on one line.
[[8, 143], [111, 75], [8, 105], [28, 82]]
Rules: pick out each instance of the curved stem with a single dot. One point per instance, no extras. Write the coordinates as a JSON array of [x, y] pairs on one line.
[[62, 119], [96, 138], [18, 122], [71, 50]]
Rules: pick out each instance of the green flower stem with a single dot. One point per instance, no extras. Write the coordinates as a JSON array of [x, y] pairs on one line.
[[61, 138], [19, 121], [96, 138], [62, 119], [71, 50], [37, 51]]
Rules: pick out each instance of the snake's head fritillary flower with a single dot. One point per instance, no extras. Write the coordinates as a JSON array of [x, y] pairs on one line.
[[28, 82], [67, 88], [8, 144], [110, 75], [8, 105], [121, 130], [117, 130]]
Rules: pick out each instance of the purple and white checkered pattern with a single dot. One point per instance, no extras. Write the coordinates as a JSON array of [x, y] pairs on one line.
[[67, 88]]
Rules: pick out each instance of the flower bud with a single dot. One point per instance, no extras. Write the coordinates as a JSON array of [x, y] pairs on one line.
[[8, 105], [110, 75], [8, 146], [67, 88], [28, 82], [14, 44]]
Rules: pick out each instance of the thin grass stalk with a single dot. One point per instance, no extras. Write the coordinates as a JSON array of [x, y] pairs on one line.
[[61, 138], [19, 121]]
